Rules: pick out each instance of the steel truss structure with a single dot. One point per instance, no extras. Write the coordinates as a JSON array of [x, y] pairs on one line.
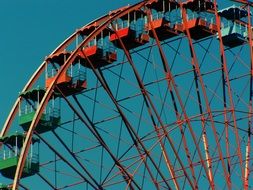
[[157, 95]]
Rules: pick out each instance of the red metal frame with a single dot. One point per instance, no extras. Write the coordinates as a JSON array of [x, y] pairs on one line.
[[49, 91], [171, 84], [225, 72], [206, 163], [248, 147], [150, 106]]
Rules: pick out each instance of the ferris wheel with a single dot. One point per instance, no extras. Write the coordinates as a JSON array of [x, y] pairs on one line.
[[156, 95]]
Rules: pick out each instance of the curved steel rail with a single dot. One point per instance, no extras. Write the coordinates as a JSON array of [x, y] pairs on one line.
[[49, 91]]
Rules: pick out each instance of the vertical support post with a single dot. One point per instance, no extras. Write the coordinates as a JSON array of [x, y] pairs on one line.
[[4, 156], [53, 102], [226, 78], [38, 151], [163, 6], [206, 148], [16, 146], [116, 26], [134, 17], [38, 98], [46, 72], [248, 146], [102, 39], [31, 153], [19, 107], [77, 40], [198, 79]]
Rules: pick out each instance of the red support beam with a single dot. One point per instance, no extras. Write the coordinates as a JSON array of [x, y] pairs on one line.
[[43, 103], [169, 78], [248, 146], [226, 77]]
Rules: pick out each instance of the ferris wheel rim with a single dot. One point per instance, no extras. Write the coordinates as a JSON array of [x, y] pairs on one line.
[[49, 90]]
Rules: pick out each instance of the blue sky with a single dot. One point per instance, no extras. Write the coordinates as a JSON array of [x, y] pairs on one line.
[[31, 30]]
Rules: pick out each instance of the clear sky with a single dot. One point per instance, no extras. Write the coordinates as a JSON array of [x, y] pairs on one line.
[[31, 30]]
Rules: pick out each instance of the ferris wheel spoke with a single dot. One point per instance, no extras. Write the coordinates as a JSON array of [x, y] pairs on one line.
[[47, 181], [134, 135], [225, 103], [200, 106], [119, 158], [226, 75], [76, 159], [24, 187], [203, 122], [198, 74], [93, 130], [247, 171], [66, 161], [150, 106], [175, 107], [105, 85], [140, 98], [129, 127], [171, 78], [94, 103]]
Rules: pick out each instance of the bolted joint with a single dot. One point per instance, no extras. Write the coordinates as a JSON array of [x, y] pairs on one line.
[[143, 91]]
